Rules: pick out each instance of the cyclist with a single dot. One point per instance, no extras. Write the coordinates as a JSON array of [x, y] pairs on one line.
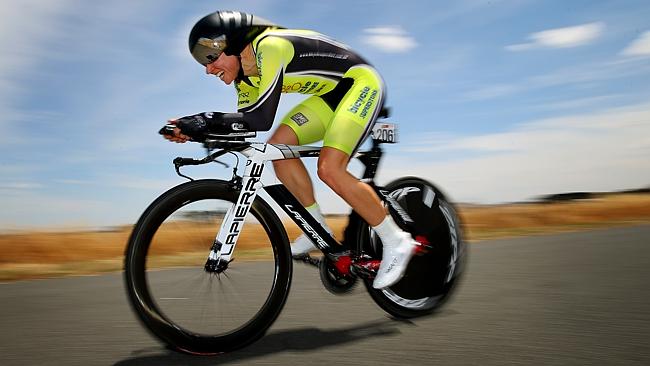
[[264, 60]]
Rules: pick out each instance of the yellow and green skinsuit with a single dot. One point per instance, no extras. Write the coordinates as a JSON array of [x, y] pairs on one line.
[[346, 92]]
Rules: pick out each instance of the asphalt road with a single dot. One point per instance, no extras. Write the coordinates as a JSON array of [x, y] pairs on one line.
[[569, 299]]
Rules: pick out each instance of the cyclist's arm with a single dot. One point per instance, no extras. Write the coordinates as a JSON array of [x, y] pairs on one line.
[[257, 106]]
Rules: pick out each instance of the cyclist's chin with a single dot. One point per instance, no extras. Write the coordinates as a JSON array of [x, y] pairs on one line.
[[227, 79]]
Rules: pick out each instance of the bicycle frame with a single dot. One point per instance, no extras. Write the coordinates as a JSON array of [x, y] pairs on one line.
[[257, 155]]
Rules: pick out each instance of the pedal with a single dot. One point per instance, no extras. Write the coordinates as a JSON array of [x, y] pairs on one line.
[[366, 267], [307, 259], [423, 246], [341, 261]]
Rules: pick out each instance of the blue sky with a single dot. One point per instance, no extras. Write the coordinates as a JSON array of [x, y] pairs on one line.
[[496, 101]]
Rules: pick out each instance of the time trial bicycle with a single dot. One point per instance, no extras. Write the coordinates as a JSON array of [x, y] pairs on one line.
[[188, 291]]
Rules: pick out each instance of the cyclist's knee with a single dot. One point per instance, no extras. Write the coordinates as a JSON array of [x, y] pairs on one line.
[[324, 170], [331, 167], [328, 174]]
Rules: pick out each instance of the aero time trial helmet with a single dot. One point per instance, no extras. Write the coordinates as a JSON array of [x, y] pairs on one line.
[[224, 31]]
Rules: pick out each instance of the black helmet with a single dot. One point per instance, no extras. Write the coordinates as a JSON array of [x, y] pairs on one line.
[[224, 31]]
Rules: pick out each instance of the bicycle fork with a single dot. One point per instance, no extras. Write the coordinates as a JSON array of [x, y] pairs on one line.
[[224, 244]]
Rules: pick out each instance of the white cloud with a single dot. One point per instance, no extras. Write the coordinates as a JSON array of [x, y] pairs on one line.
[[567, 37], [605, 151], [639, 47], [389, 39]]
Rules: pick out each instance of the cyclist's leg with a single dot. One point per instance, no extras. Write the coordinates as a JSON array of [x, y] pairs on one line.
[[304, 124], [292, 172], [350, 126], [352, 123], [332, 169]]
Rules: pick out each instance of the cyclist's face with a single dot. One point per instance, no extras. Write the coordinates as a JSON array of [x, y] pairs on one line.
[[225, 68]]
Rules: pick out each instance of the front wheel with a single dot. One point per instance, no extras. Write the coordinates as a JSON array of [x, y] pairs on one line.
[[187, 307], [432, 273]]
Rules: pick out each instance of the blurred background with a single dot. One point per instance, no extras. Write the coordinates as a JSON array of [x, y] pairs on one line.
[[496, 101], [528, 114]]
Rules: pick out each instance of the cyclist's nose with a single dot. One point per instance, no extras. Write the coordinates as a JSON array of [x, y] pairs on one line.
[[209, 68]]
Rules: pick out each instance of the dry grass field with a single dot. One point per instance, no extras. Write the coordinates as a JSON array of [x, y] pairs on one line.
[[46, 254], [496, 221]]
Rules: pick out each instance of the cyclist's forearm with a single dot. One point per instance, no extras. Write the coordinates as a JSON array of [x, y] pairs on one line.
[[259, 116]]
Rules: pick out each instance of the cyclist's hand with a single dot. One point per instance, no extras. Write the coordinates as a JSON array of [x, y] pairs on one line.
[[188, 128], [197, 126], [173, 133]]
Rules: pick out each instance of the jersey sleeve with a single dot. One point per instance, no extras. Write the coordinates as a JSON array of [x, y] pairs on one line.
[[259, 106]]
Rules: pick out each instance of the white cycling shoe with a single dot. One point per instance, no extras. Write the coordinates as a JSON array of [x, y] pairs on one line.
[[302, 245], [394, 261]]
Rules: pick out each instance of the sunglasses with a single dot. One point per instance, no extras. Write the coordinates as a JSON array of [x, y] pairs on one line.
[[208, 50]]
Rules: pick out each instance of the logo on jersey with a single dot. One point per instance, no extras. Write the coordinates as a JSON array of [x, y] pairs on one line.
[[307, 87], [325, 54], [362, 103], [299, 118]]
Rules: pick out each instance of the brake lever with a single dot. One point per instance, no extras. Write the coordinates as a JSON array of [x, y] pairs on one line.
[[180, 162]]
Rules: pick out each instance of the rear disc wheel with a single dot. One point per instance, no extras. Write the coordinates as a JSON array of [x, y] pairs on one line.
[[433, 272]]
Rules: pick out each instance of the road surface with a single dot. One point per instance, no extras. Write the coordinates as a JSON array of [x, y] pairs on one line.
[[567, 299]]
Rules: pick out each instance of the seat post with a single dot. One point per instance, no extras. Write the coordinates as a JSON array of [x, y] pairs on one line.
[[370, 159]]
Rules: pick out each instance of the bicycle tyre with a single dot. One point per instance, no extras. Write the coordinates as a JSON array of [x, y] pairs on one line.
[[430, 277], [144, 303]]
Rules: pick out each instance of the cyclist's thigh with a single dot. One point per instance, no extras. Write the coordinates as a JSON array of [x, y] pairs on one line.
[[309, 120], [356, 113], [284, 135]]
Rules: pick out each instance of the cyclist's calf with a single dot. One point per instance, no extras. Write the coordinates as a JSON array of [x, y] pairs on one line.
[[332, 170]]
